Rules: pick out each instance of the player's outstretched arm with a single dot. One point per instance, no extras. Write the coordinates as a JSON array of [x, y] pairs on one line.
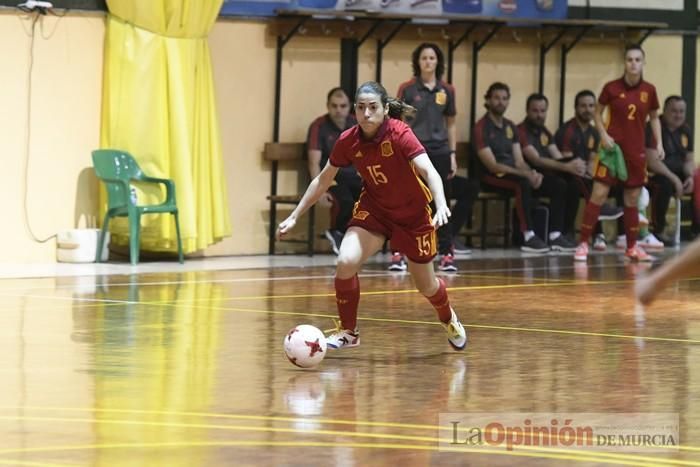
[[318, 186], [681, 267], [427, 171]]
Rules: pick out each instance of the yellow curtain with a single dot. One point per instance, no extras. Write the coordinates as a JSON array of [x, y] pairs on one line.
[[158, 103]]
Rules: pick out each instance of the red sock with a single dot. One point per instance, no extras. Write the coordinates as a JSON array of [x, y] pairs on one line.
[[441, 302], [631, 219], [347, 297], [590, 219]]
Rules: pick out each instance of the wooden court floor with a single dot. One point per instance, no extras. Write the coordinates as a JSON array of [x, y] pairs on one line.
[[187, 369]]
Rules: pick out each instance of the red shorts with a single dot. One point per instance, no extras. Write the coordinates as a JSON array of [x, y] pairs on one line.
[[636, 171], [413, 236]]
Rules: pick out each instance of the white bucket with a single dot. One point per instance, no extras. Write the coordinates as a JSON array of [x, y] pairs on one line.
[[80, 246]]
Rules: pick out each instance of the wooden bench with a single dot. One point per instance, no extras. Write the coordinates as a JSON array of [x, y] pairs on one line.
[[463, 153], [288, 155]]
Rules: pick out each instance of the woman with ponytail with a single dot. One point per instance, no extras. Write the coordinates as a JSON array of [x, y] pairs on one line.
[[394, 205]]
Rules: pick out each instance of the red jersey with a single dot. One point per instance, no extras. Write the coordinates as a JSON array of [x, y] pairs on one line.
[[384, 163], [629, 107]]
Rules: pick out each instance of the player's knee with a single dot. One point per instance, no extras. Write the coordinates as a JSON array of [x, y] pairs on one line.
[[599, 196], [348, 262]]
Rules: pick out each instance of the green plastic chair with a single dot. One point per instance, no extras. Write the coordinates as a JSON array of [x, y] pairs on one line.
[[117, 169]]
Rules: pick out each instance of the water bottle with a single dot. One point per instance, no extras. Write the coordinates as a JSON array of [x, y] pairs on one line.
[[133, 196]]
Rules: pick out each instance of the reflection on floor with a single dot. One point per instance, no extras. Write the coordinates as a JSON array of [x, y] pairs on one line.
[[182, 365]]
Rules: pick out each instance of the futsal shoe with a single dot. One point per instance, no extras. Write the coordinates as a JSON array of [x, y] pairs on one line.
[[343, 338], [636, 253], [447, 263], [398, 263], [609, 213], [456, 334], [621, 242], [650, 242], [581, 253], [599, 243], [534, 245], [563, 244]]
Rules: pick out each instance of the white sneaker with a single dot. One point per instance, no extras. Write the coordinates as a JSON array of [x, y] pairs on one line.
[[650, 242], [599, 243], [621, 242], [343, 338], [456, 334]]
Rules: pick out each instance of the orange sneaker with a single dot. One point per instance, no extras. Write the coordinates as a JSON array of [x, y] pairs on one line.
[[636, 253]]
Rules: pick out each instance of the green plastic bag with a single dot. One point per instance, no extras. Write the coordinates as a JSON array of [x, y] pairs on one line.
[[614, 161]]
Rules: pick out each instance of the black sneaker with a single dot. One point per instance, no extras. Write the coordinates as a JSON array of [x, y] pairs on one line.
[[447, 263], [398, 263], [534, 245], [609, 213], [335, 237], [561, 243], [461, 248]]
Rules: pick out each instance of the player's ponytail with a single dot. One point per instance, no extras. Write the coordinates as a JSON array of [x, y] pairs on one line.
[[397, 108]]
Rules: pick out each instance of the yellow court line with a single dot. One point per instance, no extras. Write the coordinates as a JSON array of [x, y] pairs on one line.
[[391, 292], [266, 418], [571, 454], [466, 325], [476, 275], [434, 323], [582, 333], [559, 283], [297, 444]]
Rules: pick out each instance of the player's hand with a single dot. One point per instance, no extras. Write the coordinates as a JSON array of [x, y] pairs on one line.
[[577, 167], [285, 226], [589, 169], [661, 152], [326, 200], [677, 186], [442, 216], [535, 179], [453, 166], [646, 288], [688, 185], [607, 142]]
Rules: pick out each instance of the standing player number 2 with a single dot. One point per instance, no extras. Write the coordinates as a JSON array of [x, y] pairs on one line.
[[632, 111]]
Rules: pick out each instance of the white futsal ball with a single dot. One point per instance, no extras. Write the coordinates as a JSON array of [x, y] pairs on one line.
[[305, 346]]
